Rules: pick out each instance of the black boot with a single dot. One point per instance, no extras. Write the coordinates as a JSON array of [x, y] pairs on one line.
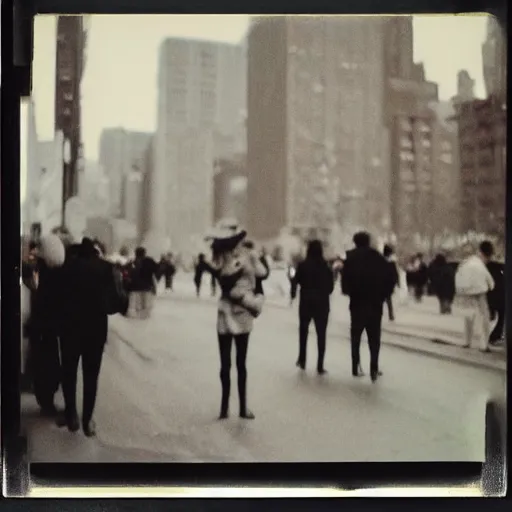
[[68, 420], [224, 405], [357, 371], [242, 392], [89, 428]]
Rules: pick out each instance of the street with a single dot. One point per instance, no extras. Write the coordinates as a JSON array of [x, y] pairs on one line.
[[159, 397]]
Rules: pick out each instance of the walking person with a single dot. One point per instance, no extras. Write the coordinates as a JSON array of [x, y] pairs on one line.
[[236, 268], [316, 281], [496, 300], [389, 254], [143, 279], [169, 271], [88, 280], [199, 268], [473, 282], [442, 279], [368, 281], [420, 278], [46, 324]]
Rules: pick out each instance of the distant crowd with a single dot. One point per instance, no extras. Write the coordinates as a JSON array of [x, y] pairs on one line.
[[69, 290]]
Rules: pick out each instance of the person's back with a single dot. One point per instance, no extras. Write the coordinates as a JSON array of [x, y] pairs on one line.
[[316, 282], [367, 278], [85, 278]]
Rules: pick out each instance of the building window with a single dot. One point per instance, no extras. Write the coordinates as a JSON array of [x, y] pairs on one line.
[[405, 124], [406, 156], [446, 158], [406, 142], [446, 146]]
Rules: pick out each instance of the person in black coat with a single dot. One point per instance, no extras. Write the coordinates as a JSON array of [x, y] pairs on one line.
[[442, 280], [316, 282], [368, 281], [420, 279], [496, 300], [45, 324], [84, 330]]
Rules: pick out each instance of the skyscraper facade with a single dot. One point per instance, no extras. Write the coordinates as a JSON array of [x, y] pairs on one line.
[[201, 105], [315, 126], [121, 154], [494, 56]]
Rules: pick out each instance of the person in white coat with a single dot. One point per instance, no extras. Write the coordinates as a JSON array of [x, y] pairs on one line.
[[472, 283]]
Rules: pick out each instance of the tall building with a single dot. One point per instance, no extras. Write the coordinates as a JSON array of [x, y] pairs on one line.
[[230, 190], [446, 174], [315, 131], [70, 64], [201, 105], [121, 153], [94, 190], [494, 56], [465, 87], [482, 145], [412, 122]]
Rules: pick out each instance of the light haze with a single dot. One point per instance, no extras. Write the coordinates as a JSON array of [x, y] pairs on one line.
[[119, 88]]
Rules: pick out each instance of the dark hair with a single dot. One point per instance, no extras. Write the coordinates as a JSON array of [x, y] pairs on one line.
[[487, 249], [388, 250], [87, 249], [140, 252], [32, 246], [362, 239], [419, 255], [248, 244], [440, 259], [315, 250], [123, 251]]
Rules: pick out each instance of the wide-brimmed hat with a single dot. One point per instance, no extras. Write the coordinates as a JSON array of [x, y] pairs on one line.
[[226, 235]]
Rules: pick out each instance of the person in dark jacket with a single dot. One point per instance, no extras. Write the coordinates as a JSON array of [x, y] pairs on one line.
[[45, 324], [84, 330], [144, 273], [420, 279], [199, 268], [316, 282], [389, 254], [442, 280], [368, 281], [496, 300]]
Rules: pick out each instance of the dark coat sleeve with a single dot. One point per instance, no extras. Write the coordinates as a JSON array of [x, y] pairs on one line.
[[346, 277], [295, 281]]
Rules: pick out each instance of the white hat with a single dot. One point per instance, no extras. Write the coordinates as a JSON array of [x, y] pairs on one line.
[[227, 231]]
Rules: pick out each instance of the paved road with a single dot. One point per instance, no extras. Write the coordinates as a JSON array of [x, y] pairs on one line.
[[159, 397]]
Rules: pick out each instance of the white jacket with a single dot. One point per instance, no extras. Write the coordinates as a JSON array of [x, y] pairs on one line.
[[473, 278]]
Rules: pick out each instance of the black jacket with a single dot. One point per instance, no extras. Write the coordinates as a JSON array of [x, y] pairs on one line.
[[496, 296], [442, 279], [85, 281], [367, 278], [142, 273], [316, 282]]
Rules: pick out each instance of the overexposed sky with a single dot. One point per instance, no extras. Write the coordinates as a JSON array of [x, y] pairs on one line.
[[119, 84]]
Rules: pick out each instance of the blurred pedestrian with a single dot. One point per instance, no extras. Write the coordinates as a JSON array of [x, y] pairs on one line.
[[368, 281], [88, 281], [420, 279], [143, 280], [236, 268], [316, 281], [200, 268], [389, 254], [442, 279], [496, 300], [45, 324], [291, 274], [473, 282]]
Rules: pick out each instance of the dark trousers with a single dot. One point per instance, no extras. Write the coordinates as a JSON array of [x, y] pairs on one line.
[[419, 290], [445, 306], [365, 318], [168, 281], [213, 286], [241, 345], [320, 318], [391, 312], [87, 344], [45, 366], [497, 332]]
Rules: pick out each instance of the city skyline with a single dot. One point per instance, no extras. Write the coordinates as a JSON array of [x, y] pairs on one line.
[[108, 90]]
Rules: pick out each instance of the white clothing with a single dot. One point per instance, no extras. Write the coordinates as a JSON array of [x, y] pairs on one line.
[[473, 278], [476, 311]]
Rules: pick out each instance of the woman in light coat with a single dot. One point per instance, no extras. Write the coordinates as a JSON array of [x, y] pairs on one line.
[[236, 269]]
